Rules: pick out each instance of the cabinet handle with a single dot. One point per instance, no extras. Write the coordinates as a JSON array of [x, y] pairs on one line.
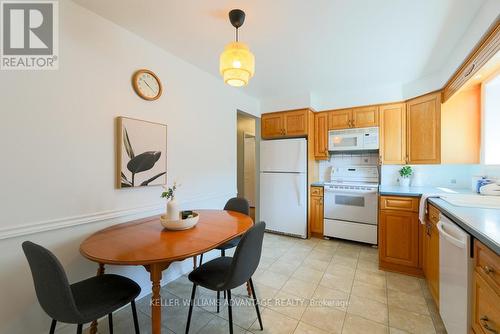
[[470, 70], [484, 322], [488, 270]]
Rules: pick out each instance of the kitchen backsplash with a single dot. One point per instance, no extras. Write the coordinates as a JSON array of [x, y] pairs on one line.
[[345, 159], [453, 176]]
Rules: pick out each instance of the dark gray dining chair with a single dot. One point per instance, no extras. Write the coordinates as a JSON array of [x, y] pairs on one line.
[[237, 204], [81, 302], [226, 273]]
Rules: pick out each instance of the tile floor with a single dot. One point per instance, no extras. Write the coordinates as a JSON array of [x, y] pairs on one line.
[[347, 294]]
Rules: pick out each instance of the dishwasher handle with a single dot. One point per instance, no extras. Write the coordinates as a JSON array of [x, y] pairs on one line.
[[442, 232]]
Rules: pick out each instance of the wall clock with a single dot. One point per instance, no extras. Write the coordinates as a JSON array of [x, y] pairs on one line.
[[147, 84]]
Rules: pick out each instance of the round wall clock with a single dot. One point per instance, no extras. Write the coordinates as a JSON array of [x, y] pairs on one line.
[[147, 84]]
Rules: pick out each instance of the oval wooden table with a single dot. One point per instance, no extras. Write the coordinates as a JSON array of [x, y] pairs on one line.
[[146, 243]]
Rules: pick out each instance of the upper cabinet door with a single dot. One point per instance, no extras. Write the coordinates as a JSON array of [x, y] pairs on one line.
[[272, 125], [365, 117], [339, 119], [424, 129], [321, 136], [296, 122], [393, 134]]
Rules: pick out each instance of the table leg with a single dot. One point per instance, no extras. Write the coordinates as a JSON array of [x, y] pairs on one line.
[[194, 262], [155, 271], [249, 290], [93, 326]]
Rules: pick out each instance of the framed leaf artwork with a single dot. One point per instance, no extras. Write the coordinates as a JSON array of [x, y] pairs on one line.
[[141, 157]]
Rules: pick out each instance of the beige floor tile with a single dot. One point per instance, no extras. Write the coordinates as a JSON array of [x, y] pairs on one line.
[[358, 325], [300, 288], [368, 309], [304, 328], [393, 330], [375, 278], [368, 265], [320, 255], [347, 252], [288, 304], [316, 264], [220, 326], [332, 297], [336, 282], [410, 321], [265, 262], [410, 302], [244, 313], [345, 260], [341, 270], [365, 290], [274, 323], [308, 274], [271, 279], [403, 283], [328, 319], [284, 268]]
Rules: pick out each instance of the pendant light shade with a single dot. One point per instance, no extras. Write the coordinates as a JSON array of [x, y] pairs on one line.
[[237, 63]]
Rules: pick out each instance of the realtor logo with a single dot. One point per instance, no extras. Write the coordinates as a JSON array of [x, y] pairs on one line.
[[29, 35]]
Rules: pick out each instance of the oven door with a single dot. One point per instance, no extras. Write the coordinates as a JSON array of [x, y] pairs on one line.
[[351, 205], [345, 142]]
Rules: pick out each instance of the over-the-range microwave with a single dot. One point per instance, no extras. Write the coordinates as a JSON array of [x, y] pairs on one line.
[[353, 139]]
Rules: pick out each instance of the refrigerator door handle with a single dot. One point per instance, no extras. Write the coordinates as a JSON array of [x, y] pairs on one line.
[[297, 189]]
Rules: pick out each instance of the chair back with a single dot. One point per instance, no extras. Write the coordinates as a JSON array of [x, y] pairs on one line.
[[238, 204], [51, 284], [246, 257]]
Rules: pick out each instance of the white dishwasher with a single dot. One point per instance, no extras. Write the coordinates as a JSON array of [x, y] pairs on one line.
[[455, 265]]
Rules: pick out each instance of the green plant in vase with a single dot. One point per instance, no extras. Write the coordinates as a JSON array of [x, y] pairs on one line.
[[405, 174]]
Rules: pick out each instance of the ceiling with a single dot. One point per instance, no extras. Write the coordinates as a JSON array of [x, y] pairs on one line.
[[300, 48]]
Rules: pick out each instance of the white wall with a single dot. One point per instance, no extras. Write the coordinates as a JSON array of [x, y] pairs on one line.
[[57, 144]]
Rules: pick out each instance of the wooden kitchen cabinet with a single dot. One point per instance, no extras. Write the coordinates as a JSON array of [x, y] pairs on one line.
[[316, 212], [364, 117], [285, 124], [399, 235], [431, 252], [339, 119], [485, 290], [393, 134], [320, 136], [272, 125], [423, 134]]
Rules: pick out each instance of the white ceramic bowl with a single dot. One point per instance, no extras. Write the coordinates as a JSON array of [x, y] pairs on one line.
[[181, 224]]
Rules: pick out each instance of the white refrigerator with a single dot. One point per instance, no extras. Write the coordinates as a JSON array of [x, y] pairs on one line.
[[283, 186]]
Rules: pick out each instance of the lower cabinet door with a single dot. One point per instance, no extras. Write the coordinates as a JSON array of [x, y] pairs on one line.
[[485, 307], [317, 215], [398, 238]]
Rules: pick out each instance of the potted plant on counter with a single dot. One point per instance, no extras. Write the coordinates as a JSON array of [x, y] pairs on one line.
[[405, 174]]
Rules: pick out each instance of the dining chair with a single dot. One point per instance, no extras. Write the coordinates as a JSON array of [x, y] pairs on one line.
[[78, 303], [237, 204], [226, 273]]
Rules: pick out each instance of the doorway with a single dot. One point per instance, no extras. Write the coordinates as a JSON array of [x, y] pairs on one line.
[[247, 160]]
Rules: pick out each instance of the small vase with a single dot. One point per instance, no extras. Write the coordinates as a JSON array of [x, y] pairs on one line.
[[173, 210], [404, 182]]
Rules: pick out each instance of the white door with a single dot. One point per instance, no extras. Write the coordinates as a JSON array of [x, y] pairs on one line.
[[249, 170], [283, 202], [284, 155]]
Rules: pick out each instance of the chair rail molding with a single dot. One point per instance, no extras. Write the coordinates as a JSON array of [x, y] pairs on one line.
[[118, 215]]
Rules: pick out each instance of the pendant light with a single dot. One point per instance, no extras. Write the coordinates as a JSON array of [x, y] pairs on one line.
[[237, 63]]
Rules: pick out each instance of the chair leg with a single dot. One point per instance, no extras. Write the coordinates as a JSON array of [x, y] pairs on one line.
[[218, 300], [134, 315], [110, 322], [79, 329], [230, 311], [53, 326], [190, 308], [223, 252], [256, 303], [201, 259]]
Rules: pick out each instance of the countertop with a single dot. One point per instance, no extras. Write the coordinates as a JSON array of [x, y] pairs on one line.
[[482, 224]]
